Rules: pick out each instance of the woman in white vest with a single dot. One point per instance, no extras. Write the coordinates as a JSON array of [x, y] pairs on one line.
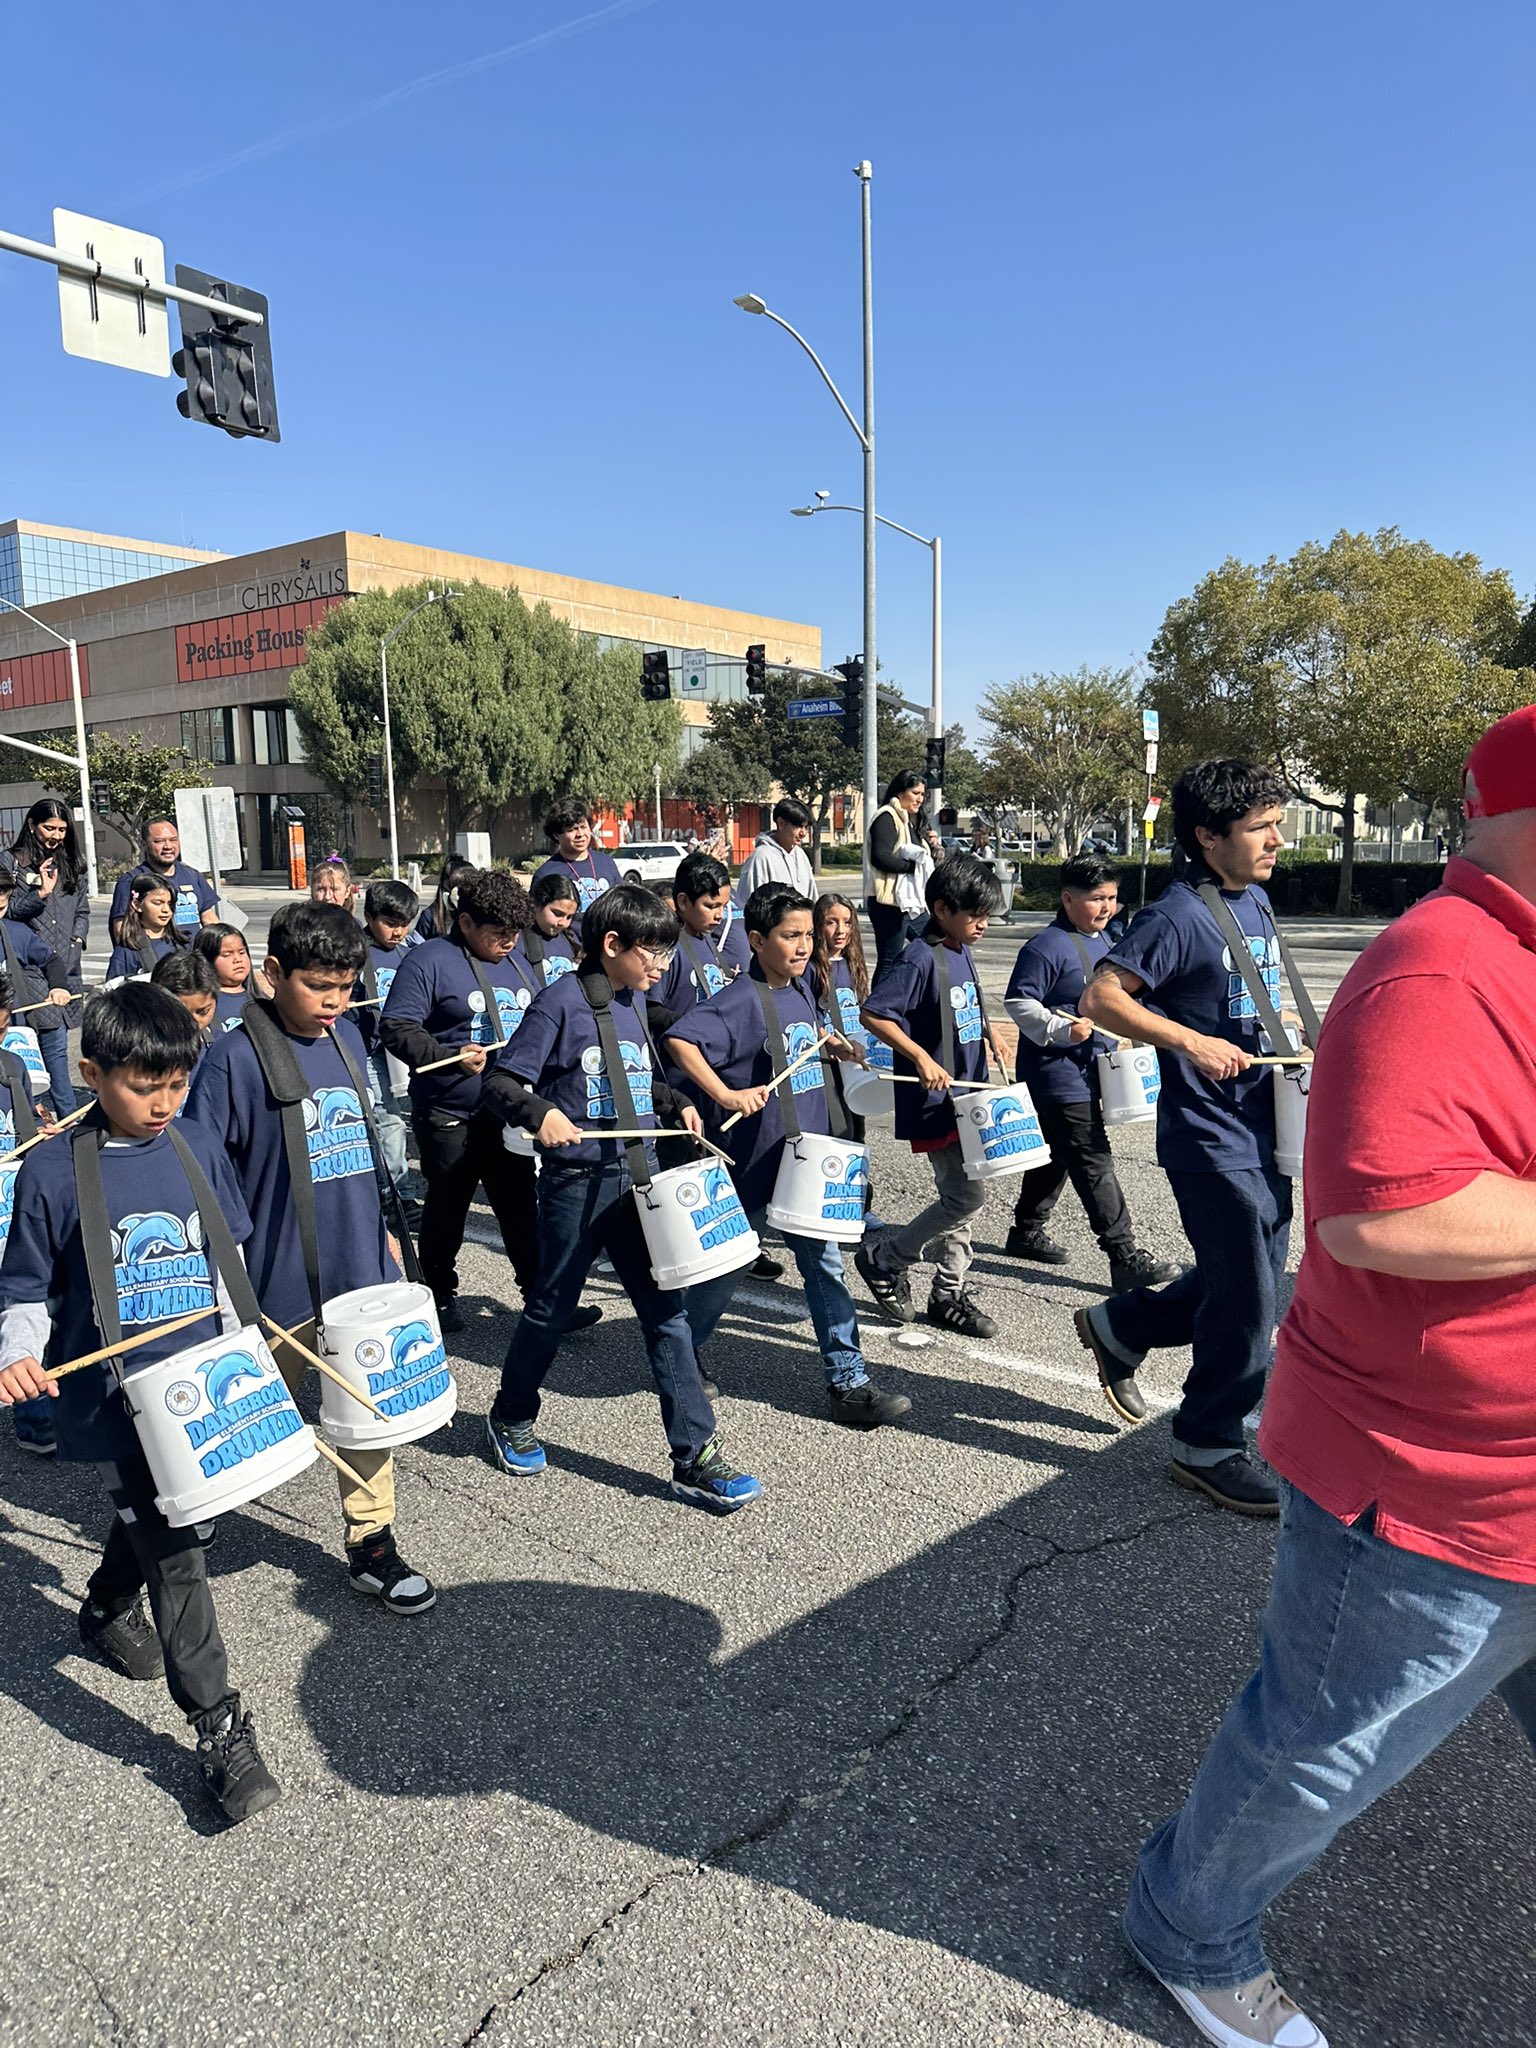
[[901, 861]]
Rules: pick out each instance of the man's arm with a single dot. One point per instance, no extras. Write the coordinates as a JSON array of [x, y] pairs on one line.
[[1485, 1231], [1110, 1001]]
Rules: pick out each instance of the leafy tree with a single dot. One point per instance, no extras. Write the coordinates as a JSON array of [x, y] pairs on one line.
[[18, 766], [1363, 668], [498, 698], [142, 780], [1068, 746], [754, 744]]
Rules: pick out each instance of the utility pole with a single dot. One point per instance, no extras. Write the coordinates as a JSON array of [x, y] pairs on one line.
[[864, 172]]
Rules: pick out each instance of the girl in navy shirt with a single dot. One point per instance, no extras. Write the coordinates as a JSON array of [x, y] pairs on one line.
[[548, 943], [569, 826], [223, 947], [149, 930]]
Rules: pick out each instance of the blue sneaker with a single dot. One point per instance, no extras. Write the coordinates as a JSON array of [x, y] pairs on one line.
[[711, 1481], [514, 1447], [34, 1426]]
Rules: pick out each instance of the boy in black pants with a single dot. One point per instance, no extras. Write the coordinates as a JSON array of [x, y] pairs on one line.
[[137, 1048]]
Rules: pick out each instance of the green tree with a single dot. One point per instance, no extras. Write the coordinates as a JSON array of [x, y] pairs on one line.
[[141, 780], [1363, 668], [1068, 746], [498, 698], [19, 766], [754, 744]]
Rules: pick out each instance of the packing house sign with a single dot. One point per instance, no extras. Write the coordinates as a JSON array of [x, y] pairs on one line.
[[245, 643]]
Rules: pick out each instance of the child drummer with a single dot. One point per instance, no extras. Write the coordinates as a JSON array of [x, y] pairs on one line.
[[137, 1047], [730, 1049]]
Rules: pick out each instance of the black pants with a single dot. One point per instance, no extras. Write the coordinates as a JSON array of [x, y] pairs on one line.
[[892, 929], [144, 1553], [458, 1156], [1080, 1153]]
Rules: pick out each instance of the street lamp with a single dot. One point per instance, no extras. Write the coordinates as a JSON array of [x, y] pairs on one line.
[[749, 302], [77, 759], [935, 547], [432, 597]]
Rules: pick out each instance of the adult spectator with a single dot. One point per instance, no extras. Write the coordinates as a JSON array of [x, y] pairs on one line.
[[780, 855], [44, 874], [901, 859], [195, 902], [1215, 1129], [572, 831], [1399, 1415]]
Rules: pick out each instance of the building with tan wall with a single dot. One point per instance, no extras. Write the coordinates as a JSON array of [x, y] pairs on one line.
[[201, 656]]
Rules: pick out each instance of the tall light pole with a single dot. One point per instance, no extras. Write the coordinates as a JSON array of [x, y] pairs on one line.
[[935, 547], [749, 302], [432, 597], [87, 832]]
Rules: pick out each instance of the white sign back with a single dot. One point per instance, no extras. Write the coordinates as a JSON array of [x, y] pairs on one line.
[[101, 321]]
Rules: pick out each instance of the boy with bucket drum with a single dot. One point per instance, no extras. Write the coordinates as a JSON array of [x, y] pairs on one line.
[[737, 1050], [712, 946], [582, 1059], [287, 1099], [1058, 1063], [389, 913], [111, 1227], [926, 1005]]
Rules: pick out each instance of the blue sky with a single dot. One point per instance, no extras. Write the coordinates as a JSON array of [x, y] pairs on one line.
[[1155, 283]]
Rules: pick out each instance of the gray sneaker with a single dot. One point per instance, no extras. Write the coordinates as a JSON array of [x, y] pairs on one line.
[[1256, 2015]]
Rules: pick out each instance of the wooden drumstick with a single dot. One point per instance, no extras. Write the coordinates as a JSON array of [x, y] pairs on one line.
[[197, 1315], [798, 1061], [588, 1131], [347, 1471], [329, 1370], [453, 1059], [58, 1124]]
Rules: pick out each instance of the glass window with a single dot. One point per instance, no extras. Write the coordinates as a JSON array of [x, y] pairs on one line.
[[210, 735], [269, 730]]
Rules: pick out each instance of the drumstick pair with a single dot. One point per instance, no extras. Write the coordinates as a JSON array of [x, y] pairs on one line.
[[58, 1124], [798, 1061]]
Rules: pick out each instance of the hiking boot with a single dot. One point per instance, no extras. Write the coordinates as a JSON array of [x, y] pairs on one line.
[[766, 1267], [126, 1641], [236, 1778], [1117, 1376], [892, 1292], [711, 1481], [1035, 1245], [1257, 2014], [582, 1317], [1241, 1485], [866, 1406], [378, 1568], [1130, 1266], [514, 1447], [451, 1319], [959, 1314]]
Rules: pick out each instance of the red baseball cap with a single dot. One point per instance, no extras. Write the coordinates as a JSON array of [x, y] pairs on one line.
[[1500, 774]]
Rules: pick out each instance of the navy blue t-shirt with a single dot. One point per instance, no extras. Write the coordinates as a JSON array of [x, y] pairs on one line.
[[164, 1269], [730, 1032], [1175, 947], [125, 959], [559, 950], [230, 1100], [909, 993], [1050, 969], [593, 875], [436, 986], [193, 894], [701, 967], [376, 979], [229, 1008], [557, 1055]]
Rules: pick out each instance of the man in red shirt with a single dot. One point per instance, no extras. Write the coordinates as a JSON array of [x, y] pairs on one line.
[[1401, 1416]]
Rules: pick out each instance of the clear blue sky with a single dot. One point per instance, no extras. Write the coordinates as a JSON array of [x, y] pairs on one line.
[[1154, 284]]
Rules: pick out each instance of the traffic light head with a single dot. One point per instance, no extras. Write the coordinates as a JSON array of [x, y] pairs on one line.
[[852, 673], [655, 677], [933, 763], [757, 669], [227, 363]]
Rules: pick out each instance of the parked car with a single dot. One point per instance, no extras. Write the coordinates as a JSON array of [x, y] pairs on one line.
[[649, 860]]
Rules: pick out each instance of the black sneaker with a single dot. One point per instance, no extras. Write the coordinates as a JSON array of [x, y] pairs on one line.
[[959, 1314], [1236, 1483], [866, 1406], [1034, 1244], [766, 1267], [126, 1641], [451, 1319], [582, 1317], [1130, 1266], [236, 1778], [892, 1292], [378, 1568], [1116, 1377]]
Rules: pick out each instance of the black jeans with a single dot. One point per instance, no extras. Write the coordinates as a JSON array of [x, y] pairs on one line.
[[144, 1553], [892, 929], [1239, 1224], [459, 1155], [1080, 1153]]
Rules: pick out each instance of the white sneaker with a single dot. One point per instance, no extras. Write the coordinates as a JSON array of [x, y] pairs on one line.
[[1256, 2015]]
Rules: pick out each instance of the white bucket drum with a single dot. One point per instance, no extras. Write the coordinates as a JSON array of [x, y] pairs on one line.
[[999, 1133], [820, 1189], [22, 1040], [385, 1340], [519, 1142], [1129, 1084], [694, 1224], [868, 1090], [1292, 1086], [218, 1427], [399, 1077]]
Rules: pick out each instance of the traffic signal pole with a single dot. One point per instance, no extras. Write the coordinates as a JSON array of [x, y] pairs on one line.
[[864, 172], [120, 280], [77, 760]]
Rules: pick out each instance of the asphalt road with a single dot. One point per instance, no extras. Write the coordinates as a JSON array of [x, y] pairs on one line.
[[867, 1764]]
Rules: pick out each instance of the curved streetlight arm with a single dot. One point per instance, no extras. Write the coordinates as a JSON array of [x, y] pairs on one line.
[[806, 511], [769, 314], [430, 598], [87, 830]]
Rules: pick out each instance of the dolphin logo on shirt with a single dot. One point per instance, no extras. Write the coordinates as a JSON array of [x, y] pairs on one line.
[[151, 1237]]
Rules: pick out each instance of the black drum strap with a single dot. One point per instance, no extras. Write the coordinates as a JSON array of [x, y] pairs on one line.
[[23, 1121]]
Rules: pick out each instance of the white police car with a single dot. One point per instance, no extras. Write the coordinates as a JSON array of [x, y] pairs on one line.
[[649, 860]]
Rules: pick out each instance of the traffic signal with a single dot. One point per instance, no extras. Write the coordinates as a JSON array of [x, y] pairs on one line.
[[101, 799], [852, 673], [227, 363], [933, 764], [375, 772], [655, 677], [757, 669]]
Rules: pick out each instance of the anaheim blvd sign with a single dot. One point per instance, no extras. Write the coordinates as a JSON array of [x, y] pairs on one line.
[[247, 643]]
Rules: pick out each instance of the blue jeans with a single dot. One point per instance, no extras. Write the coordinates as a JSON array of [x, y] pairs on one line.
[[833, 1315], [1371, 1656], [389, 1120], [1239, 1225], [584, 1210], [61, 1090]]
